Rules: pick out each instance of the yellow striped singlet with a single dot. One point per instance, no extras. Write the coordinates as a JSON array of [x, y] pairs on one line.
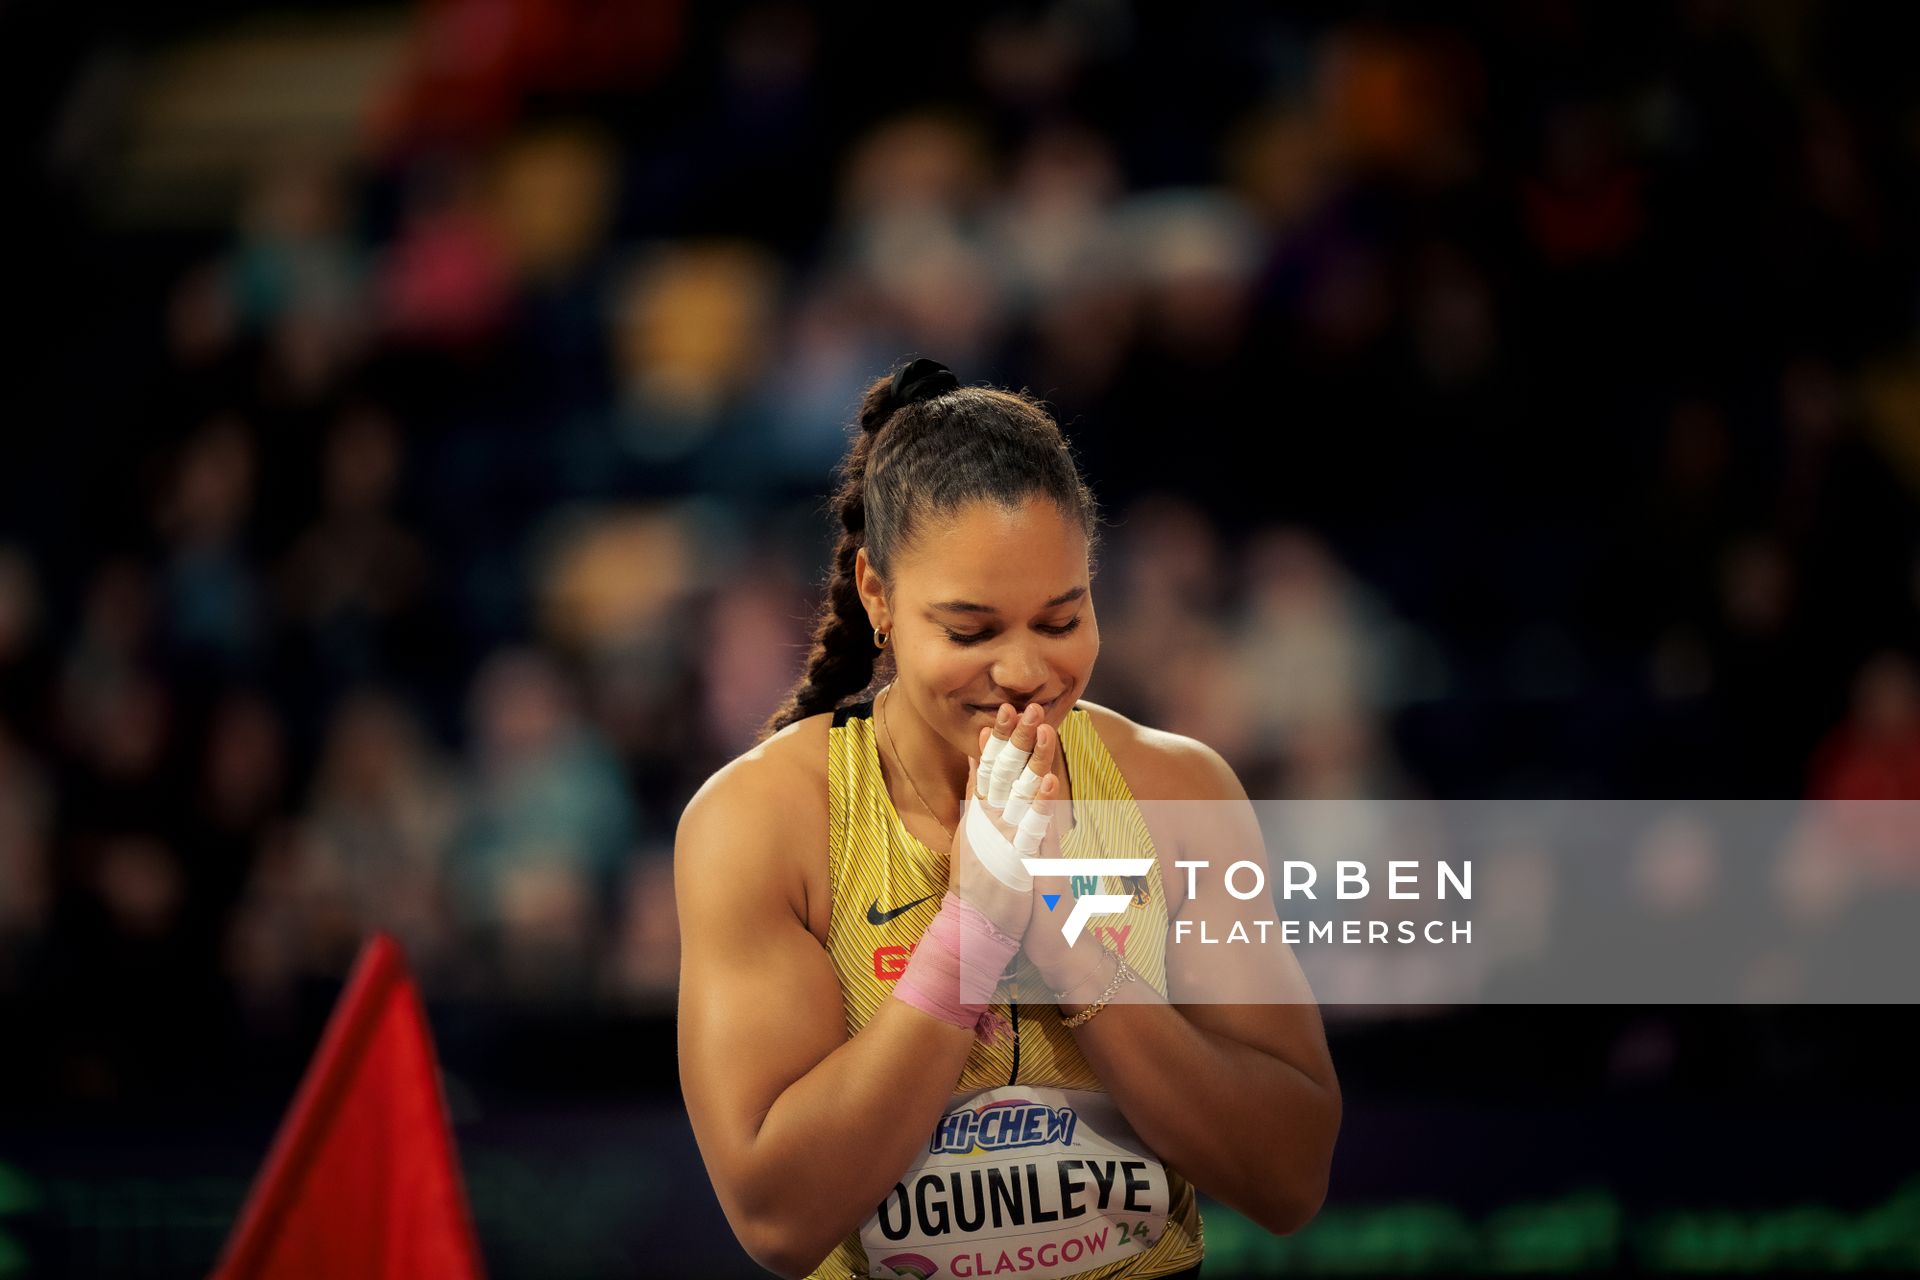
[[877, 869]]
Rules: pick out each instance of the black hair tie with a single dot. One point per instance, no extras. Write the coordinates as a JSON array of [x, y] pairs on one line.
[[922, 380]]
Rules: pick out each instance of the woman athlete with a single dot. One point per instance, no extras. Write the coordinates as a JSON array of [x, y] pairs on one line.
[[894, 1061]]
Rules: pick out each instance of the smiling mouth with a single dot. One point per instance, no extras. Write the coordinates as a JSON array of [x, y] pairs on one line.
[[1045, 707]]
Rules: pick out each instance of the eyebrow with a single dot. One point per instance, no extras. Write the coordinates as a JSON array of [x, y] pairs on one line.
[[968, 606]]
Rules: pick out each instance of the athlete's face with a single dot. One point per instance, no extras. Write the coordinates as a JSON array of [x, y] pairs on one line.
[[992, 604]]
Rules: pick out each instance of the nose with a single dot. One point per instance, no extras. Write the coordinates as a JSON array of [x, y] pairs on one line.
[[1021, 673]]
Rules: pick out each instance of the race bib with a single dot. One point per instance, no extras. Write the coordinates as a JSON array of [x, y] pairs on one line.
[[1021, 1180]]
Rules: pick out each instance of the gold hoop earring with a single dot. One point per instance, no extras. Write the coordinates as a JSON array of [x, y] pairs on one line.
[[879, 638]]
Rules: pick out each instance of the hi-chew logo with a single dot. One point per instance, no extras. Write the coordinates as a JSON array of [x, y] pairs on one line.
[[1086, 906], [1002, 1126]]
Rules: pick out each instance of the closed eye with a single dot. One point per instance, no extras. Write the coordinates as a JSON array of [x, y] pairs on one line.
[[975, 637]]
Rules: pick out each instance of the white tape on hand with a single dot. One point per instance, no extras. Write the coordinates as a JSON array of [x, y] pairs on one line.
[[1006, 767], [1033, 829], [983, 777], [1020, 799], [996, 852]]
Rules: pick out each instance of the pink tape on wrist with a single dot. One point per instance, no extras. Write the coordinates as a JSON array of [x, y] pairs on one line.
[[957, 967]]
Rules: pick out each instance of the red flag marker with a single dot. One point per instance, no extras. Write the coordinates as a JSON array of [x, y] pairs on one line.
[[362, 1180]]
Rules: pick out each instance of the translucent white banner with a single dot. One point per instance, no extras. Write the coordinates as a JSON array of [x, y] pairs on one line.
[[1501, 901]]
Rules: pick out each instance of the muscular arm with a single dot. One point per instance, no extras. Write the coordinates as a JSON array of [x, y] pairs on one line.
[[1259, 1135], [804, 1130]]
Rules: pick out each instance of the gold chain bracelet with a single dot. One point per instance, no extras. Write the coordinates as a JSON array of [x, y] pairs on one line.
[[1121, 975], [1060, 996]]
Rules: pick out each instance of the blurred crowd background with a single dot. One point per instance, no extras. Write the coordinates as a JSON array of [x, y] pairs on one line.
[[418, 423]]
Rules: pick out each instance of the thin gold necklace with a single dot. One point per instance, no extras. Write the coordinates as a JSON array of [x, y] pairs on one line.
[[886, 727]]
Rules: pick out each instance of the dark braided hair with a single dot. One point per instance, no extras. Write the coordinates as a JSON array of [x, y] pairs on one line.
[[926, 446]]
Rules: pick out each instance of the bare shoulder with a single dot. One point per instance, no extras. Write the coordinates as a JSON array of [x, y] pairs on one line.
[[789, 766], [762, 817], [1160, 765]]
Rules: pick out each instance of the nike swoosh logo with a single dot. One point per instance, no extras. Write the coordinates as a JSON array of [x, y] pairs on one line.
[[876, 916]]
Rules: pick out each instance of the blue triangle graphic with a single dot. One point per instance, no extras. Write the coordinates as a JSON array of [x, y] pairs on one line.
[[1051, 899]]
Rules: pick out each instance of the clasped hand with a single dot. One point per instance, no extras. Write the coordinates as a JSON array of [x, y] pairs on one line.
[[1011, 789]]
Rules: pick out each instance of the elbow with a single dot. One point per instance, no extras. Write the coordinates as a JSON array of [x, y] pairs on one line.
[[1280, 1196], [776, 1225], [1289, 1208], [782, 1247], [1295, 1191], [776, 1250]]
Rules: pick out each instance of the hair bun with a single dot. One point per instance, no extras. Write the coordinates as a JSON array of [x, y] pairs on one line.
[[919, 380]]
